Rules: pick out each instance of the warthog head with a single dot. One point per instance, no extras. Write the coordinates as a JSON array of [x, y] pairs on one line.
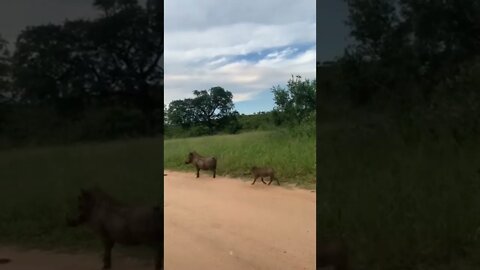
[[189, 158], [85, 206]]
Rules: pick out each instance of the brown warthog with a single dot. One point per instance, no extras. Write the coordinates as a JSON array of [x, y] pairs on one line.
[[333, 254], [116, 222], [202, 163], [263, 172], [4, 260]]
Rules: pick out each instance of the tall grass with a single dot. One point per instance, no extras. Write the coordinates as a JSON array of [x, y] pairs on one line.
[[291, 155], [39, 186], [402, 202]]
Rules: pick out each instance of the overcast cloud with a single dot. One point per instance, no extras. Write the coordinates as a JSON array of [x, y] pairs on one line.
[[244, 46], [16, 15], [332, 32]]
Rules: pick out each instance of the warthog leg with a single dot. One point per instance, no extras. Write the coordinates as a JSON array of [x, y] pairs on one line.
[[107, 253], [159, 259], [198, 172], [254, 180], [263, 181], [271, 179], [214, 172]]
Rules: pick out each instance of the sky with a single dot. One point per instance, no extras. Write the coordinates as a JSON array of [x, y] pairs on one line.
[[332, 32], [15, 15], [246, 47]]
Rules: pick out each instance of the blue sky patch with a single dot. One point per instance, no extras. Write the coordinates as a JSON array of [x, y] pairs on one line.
[[293, 51], [263, 102], [289, 51]]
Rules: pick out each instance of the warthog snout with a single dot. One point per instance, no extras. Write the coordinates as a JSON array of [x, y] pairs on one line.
[[189, 158]]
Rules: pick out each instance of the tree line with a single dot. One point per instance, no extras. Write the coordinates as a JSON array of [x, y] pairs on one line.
[[416, 61], [212, 111], [85, 79]]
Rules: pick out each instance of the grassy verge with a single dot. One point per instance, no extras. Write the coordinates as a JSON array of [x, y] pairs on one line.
[[293, 157], [402, 202], [39, 186]]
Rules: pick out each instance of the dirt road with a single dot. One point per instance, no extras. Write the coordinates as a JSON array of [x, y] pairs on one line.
[[46, 260], [231, 225], [212, 224]]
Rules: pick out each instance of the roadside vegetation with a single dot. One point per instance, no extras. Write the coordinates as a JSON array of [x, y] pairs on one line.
[[399, 137], [283, 138]]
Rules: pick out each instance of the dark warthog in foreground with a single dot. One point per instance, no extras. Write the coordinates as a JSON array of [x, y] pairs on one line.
[[4, 260], [333, 254], [202, 163], [263, 172], [115, 222]]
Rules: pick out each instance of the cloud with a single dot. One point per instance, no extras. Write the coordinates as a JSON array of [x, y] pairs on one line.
[[236, 39], [239, 97], [16, 15], [244, 46], [201, 15], [244, 52]]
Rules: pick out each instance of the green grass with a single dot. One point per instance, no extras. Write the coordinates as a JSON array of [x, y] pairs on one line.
[[38, 187], [293, 157], [401, 200]]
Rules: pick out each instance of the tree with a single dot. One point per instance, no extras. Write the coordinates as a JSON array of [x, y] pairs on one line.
[[5, 71], [156, 15], [212, 106], [212, 109], [111, 7], [41, 64], [402, 45], [180, 112], [53, 66], [130, 46], [165, 117], [371, 23], [295, 103], [110, 61]]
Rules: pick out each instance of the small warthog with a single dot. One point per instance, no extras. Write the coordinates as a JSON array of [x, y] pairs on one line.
[[333, 254], [202, 163], [4, 260], [116, 222], [263, 172]]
